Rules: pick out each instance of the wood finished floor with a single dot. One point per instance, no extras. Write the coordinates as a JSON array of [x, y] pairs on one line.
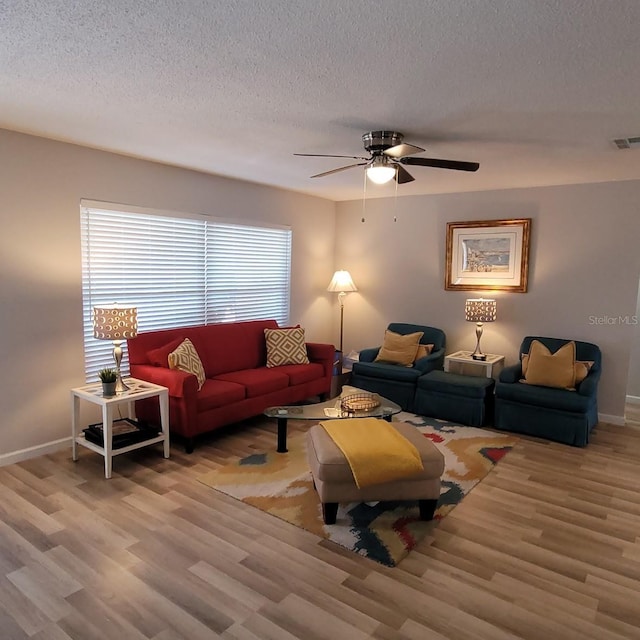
[[632, 414], [547, 547]]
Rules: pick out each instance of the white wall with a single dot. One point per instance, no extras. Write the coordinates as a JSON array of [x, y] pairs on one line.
[[41, 185], [633, 386], [584, 264]]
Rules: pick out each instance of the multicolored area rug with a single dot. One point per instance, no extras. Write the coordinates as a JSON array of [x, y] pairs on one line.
[[281, 485]]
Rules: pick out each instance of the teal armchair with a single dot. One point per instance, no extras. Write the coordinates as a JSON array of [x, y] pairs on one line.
[[395, 382], [555, 414]]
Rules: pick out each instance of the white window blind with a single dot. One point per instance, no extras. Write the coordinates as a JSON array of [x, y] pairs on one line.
[[179, 271]]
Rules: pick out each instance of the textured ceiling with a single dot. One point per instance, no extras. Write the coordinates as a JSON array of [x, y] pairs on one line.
[[532, 90]]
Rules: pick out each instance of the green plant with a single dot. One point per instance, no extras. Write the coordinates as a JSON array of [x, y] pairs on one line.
[[107, 375]]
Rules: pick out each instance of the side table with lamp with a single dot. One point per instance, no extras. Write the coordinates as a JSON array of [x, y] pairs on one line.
[[476, 363], [464, 391], [115, 436], [479, 310], [136, 390]]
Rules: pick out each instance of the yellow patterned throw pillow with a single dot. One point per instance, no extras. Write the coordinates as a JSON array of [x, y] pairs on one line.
[[552, 370], [186, 358], [285, 346], [398, 348]]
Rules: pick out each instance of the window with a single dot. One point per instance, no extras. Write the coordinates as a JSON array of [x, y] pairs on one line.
[[178, 271]]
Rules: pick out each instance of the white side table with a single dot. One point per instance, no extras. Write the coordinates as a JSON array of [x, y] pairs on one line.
[[138, 389], [461, 362]]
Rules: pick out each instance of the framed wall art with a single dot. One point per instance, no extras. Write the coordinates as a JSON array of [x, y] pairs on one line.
[[488, 255]]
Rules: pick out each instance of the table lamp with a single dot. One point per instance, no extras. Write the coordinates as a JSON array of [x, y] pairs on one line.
[[341, 283], [479, 310], [117, 323]]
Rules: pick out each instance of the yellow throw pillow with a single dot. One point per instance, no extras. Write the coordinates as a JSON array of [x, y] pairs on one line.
[[399, 349], [286, 346], [552, 370], [186, 358], [423, 351], [524, 359], [582, 367]]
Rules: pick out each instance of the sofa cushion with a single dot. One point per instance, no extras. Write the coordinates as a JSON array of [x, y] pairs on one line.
[[160, 357], [454, 384], [218, 393], [233, 346], [552, 370], [186, 358], [399, 349], [257, 382], [301, 373], [544, 397], [386, 371], [285, 346]]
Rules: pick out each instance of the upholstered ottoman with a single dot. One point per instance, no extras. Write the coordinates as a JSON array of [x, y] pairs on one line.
[[334, 481], [449, 396]]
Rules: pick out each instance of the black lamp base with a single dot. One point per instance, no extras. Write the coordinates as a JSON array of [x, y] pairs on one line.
[[480, 356]]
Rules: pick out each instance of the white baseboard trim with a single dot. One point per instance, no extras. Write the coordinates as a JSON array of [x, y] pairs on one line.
[[633, 400], [34, 452], [617, 420], [56, 445]]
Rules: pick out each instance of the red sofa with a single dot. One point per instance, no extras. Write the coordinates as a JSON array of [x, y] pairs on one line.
[[239, 385]]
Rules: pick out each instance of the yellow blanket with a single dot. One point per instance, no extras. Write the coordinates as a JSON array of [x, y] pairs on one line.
[[376, 452]]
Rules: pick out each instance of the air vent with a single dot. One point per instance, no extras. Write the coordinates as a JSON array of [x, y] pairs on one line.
[[627, 143]]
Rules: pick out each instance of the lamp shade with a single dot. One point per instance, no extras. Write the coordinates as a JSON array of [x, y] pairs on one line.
[[115, 322], [341, 282], [381, 171], [381, 175], [480, 310]]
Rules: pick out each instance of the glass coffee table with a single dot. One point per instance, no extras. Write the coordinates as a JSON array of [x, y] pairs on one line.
[[329, 410]]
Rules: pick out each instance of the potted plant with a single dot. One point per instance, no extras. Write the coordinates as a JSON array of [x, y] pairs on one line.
[[108, 378]]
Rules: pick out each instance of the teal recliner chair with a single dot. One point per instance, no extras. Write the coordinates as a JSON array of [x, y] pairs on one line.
[[555, 414], [395, 382]]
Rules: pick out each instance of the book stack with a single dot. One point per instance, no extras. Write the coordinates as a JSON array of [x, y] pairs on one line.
[[124, 433]]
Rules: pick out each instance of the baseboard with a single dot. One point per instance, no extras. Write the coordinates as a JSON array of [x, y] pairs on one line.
[[34, 452], [56, 445], [633, 400]]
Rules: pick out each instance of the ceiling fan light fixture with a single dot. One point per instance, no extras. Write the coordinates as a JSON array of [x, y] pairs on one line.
[[381, 171], [388, 154]]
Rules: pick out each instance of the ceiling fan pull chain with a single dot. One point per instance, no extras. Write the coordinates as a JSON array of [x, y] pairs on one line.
[[395, 204], [364, 196]]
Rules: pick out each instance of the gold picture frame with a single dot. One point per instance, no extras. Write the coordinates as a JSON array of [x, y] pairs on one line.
[[490, 255]]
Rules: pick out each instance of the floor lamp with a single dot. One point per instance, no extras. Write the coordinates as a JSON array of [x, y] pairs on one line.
[[116, 323], [479, 310], [341, 283]]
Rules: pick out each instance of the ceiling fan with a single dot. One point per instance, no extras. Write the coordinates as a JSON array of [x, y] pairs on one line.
[[387, 155]]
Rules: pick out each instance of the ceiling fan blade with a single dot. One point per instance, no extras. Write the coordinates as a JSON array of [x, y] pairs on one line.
[[349, 166], [324, 155], [402, 175], [401, 150], [441, 164]]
